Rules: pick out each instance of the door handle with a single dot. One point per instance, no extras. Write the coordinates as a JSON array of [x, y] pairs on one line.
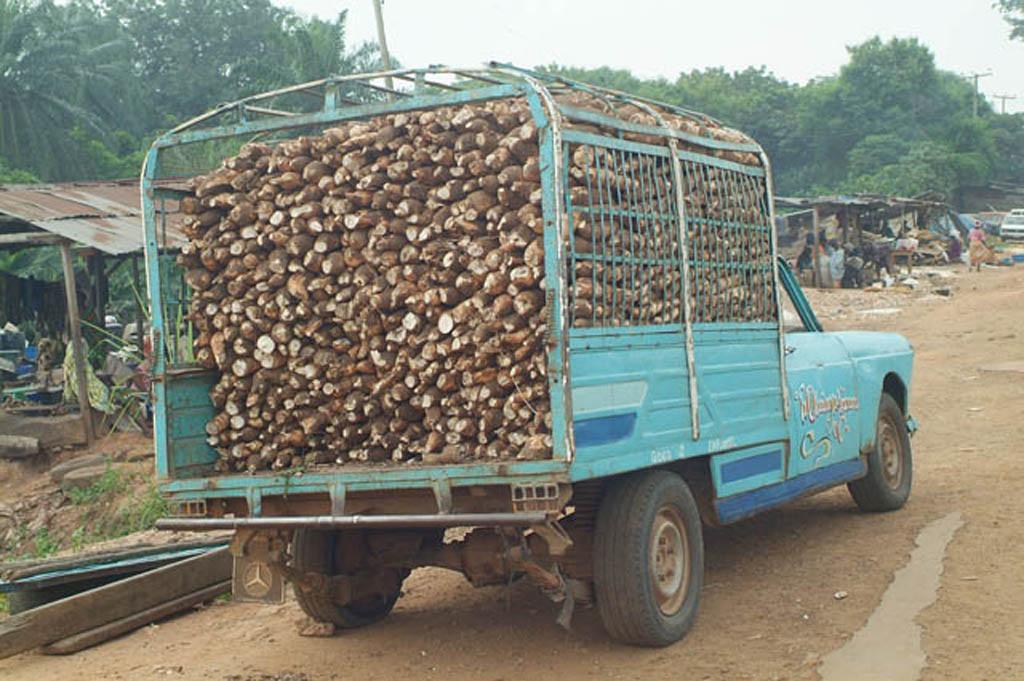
[[790, 349]]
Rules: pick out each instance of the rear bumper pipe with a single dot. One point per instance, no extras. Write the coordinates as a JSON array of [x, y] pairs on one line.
[[441, 520]]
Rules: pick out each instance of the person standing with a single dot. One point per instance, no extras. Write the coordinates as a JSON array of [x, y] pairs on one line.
[[853, 269], [954, 250], [978, 250], [836, 262]]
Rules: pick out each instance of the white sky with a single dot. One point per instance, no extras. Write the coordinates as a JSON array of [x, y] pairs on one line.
[[796, 39]]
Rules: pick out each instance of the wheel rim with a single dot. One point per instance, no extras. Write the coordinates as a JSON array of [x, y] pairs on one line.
[[669, 564], [891, 453]]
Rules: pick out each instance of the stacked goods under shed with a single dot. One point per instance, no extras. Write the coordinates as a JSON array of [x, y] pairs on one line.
[[376, 292]]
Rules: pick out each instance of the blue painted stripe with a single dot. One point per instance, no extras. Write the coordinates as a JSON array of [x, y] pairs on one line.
[[747, 504], [603, 430], [751, 466]]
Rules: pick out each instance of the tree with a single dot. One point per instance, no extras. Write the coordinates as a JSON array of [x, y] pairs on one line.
[[927, 166], [1008, 137], [9, 175], [874, 152], [1013, 11], [864, 129], [193, 54], [56, 71], [317, 48]]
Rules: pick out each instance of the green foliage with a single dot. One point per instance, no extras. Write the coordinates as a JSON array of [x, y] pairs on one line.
[[317, 47], [111, 521], [889, 122], [110, 515], [876, 151], [110, 484], [41, 262], [111, 507], [228, 49], [85, 86], [61, 66], [119, 157], [195, 53], [1013, 11], [9, 175], [43, 544], [927, 166]]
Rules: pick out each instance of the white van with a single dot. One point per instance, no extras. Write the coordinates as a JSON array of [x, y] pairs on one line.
[[1013, 225]]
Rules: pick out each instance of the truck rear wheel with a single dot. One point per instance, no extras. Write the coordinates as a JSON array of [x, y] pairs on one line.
[[886, 487], [648, 559], [316, 551]]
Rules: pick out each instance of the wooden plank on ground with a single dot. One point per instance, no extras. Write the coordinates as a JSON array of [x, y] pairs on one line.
[[21, 569], [91, 637], [96, 607]]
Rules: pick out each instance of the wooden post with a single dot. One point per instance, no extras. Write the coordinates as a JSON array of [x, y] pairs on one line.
[[382, 43], [97, 275], [140, 311], [815, 279], [75, 323]]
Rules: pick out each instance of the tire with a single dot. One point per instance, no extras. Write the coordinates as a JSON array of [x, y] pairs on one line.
[[886, 487], [648, 559], [315, 551]]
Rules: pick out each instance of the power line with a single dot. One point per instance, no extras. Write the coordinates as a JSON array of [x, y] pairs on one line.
[[1003, 99]]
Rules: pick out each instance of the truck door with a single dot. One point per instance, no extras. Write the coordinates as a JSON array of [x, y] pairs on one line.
[[824, 424]]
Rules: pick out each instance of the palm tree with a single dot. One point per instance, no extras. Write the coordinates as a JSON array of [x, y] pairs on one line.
[[60, 68], [318, 48]]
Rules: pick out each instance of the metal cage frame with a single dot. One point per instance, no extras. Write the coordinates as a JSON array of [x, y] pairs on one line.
[[339, 98]]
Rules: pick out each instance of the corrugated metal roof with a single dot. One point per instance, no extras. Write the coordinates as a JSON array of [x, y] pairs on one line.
[[866, 201], [103, 215]]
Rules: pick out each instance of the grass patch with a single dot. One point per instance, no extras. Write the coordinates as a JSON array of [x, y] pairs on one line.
[[110, 515], [43, 544], [115, 505], [138, 513], [110, 484]]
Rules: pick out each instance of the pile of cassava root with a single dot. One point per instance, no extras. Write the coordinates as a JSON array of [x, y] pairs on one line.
[[375, 293]]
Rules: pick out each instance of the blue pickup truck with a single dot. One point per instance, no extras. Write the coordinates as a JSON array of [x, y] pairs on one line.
[[661, 422]]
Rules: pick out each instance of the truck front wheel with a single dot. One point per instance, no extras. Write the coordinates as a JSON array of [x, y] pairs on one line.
[[648, 559], [318, 551], [886, 487]]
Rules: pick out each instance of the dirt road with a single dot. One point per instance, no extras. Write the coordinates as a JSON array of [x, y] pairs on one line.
[[769, 610]]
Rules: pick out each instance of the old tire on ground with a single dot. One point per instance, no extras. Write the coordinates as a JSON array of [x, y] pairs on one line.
[[886, 487], [315, 551], [648, 559]]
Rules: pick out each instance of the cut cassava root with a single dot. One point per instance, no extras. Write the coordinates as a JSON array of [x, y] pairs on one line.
[[374, 293]]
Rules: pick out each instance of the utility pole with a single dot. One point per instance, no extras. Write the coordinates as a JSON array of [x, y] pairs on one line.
[[1002, 100], [977, 77], [383, 43]]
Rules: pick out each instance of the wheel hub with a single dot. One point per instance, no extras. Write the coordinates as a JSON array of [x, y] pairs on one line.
[[891, 454], [669, 560]]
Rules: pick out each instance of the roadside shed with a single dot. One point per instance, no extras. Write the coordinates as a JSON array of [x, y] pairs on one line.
[[98, 221], [848, 217]]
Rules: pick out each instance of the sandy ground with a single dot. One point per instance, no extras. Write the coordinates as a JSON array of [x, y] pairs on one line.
[[769, 610]]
